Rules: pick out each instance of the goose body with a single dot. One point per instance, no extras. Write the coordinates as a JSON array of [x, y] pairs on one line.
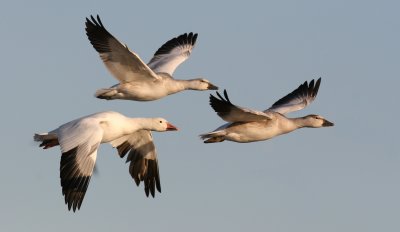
[[80, 139], [246, 125], [139, 81], [245, 132]]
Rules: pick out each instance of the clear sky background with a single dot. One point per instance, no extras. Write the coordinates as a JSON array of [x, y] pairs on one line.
[[343, 178]]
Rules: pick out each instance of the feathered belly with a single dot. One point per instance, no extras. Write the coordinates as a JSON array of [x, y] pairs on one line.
[[141, 92], [251, 132]]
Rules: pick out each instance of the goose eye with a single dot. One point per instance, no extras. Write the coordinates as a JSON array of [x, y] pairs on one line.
[[160, 121]]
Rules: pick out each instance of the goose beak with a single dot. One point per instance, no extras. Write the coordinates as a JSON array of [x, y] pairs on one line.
[[171, 127], [212, 87], [327, 123]]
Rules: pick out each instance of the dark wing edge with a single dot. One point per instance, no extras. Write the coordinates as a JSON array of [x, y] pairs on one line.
[[98, 34], [222, 106], [229, 112], [184, 39], [305, 92], [74, 182], [140, 167]]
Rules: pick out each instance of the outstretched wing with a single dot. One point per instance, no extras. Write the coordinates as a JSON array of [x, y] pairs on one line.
[[174, 52], [232, 113], [79, 141], [142, 157], [123, 64], [297, 99]]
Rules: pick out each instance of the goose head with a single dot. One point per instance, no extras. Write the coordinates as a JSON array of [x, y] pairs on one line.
[[201, 84], [316, 121], [160, 124]]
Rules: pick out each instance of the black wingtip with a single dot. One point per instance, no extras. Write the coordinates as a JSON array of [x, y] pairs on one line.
[[74, 183], [216, 100], [305, 90], [96, 22], [194, 38], [226, 96], [137, 181], [98, 35], [221, 105], [219, 96], [311, 85], [310, 89], [99, 21], [318, 82], [183, 39], [152, 191], [316, 87]]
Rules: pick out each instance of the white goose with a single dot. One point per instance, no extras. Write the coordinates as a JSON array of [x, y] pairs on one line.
[[245, 125], [80, 139], [138, 81]]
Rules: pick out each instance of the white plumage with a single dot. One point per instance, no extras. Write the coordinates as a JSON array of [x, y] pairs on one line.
[[80, 139], [245, 125], [138, 81]]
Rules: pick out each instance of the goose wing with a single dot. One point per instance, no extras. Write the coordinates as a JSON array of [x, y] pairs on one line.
[[122, 63], [297, 99], [232, 113], [174, 52], [79, 141], [142, 157]]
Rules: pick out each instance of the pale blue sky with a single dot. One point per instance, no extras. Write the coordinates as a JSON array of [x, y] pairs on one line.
[[344, 178]]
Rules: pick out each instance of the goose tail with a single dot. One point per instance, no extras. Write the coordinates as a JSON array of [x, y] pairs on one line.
[[105, 93], [48, 140], [213, 137]]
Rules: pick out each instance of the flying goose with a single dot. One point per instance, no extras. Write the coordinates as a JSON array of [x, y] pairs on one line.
[[246, 125], [138, 81], [79, 140]]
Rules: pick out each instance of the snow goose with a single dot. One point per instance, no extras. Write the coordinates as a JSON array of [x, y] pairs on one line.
[[80, 139], [138, 81], [245, 125]]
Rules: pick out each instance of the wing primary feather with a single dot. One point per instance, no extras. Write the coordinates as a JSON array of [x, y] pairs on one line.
[[220, 98], [298, 98], [123, 149], [226, 96], [143, 165], [221, 106], [152, 186], [99, 20], [74, 181], [176, 42], [98, 34], [303, 89], [316, 87], [310, 88], [94, 20], [194, 38], [158, 182], [152, 172], [146, 188]]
